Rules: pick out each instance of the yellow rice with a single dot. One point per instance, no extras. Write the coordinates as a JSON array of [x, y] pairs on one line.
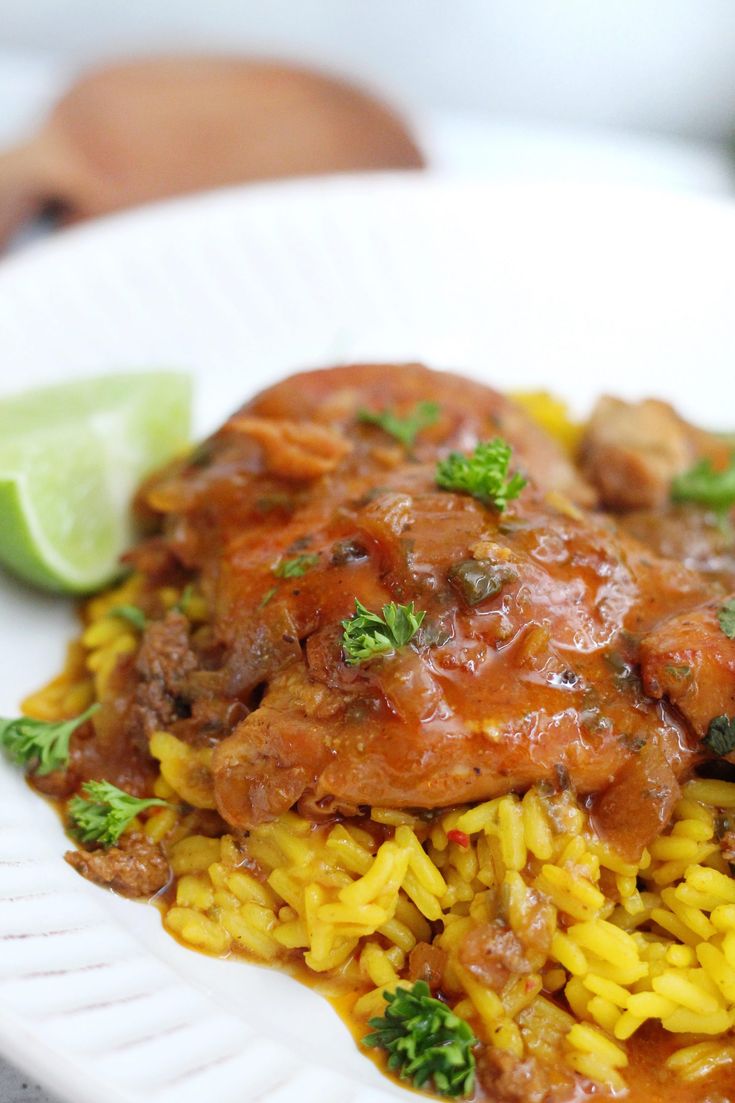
[[358, 908], [627, 942]]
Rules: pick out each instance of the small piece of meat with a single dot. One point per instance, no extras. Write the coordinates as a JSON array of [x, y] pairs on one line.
[[505, 1079], [136, 868], [276, 753], [631, 451], [634, 810], [261, 647], [690, 660], [493, 954], [727, 844], [538, 929], [164, 662], [58, 785], [212, 718], [427, 963], [294, 449]]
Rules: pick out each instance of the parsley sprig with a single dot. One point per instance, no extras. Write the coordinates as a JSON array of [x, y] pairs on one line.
[[296, 567], [404, 429], [726, 617], [133, 614], [720, 737], [104, 812], [182, 605], [425, 1041], [40, 745], [368, 634], [484, 474], [704, 486]]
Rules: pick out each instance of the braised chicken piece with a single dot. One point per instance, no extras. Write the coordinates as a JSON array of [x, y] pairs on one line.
[[498, 693], [631, 452], [691, 661], [525, 666]]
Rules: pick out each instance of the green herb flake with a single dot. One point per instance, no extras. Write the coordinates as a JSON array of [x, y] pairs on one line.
[[679, 673], [348, 551], [483, 475], [479, 579], [704, 486], [404, 429], [103, 813], [278, 500], [720, 737], [39, 745], [266, 597], [425, 1041], [434, 633], [182, 605], [296, 567], [132, 614], [202, 454], [726, 617], [633, 743], [368, 634]]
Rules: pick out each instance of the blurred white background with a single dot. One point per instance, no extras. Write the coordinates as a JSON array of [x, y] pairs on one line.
[[642, 90], [663, 66]]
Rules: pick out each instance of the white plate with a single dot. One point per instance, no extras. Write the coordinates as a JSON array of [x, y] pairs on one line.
[[576, 290]]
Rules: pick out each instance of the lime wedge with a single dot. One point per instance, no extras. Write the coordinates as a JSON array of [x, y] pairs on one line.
[[71, 457]]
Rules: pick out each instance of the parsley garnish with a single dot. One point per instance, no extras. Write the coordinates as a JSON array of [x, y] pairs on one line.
[[425, 1041], [266, 597], [103, 813], [368, 634], [726, 617], [704, 486], [404, 429], [182, 605], [296, 567], [484, 474], [720, 737], [132, 614], [40, 745], [679, 673]]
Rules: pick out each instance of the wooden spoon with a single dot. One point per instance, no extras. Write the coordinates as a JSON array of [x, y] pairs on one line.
[[146, 129]]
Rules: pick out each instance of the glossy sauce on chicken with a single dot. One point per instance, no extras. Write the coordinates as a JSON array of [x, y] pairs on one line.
[[524, 668]]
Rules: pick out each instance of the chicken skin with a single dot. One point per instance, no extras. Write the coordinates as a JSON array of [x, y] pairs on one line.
[[691, 661]]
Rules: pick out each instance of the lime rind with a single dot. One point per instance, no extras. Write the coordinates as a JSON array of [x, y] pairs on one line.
[[26, 550], [69, 464]]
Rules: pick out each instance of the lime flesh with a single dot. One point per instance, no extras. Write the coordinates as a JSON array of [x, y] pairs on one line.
[[71, 457]]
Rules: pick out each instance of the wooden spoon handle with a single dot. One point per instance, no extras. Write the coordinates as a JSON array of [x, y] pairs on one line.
[[23, 188]]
